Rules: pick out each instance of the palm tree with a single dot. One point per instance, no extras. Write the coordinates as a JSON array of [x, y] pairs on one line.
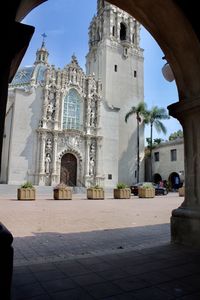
[[139, 111], [154, 117]]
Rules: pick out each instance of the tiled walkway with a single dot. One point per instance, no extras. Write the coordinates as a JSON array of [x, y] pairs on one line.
[[162, 272], [105, 249]]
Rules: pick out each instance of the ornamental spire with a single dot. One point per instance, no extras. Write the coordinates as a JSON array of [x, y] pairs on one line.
[[43, 40], [42, 53]]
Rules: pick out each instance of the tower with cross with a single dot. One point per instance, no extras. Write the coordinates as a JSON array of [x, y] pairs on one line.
[[42, 53]]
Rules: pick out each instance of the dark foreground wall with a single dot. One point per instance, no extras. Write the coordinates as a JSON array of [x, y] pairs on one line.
[[6, 262]]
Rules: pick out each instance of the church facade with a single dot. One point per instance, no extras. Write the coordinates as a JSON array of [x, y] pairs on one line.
[[64, 125]]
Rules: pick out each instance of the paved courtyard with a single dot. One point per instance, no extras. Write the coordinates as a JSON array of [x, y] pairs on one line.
[[48, 230], [98, 249]]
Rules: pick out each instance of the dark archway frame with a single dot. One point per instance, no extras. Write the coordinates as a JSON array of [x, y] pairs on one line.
[[174, 25]]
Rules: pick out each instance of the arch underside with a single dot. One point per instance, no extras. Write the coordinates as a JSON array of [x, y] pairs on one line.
[[172, 24], [173, 32]]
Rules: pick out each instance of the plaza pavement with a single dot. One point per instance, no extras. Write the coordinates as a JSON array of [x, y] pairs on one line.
[[97, 249]]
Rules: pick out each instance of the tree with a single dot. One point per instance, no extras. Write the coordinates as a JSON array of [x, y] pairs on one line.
[[154, 143], [139, 111], [154, 117], [175, 135]]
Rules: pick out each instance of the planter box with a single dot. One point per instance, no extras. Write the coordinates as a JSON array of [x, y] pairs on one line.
[[26, 194], [122, 193], [62, 194], [95, 193], [181, 191], [146, 192]]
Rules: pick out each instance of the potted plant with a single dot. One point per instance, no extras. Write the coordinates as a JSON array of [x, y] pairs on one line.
[[26, 191], [181, 191], [95, 192], [122, 191], [62, 192], [146, 190]]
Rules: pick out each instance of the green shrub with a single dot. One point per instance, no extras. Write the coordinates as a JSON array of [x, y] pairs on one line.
[[96, 187], [147, 185], [121, 185], [60, 186], [27, 185]]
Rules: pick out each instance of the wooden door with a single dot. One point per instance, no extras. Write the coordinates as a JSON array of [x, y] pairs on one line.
[[68, 172]]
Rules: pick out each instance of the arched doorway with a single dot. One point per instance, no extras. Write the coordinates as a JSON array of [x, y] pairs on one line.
[[157, 178], [174, 181], [68, 171]]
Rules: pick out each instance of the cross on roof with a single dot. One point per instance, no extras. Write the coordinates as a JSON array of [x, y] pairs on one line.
[[44, 36]]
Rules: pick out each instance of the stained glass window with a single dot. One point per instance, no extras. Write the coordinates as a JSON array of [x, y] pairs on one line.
[[71, 112]]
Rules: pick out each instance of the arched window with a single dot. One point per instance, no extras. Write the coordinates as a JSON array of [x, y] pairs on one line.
[[122, 32], [71, 111]]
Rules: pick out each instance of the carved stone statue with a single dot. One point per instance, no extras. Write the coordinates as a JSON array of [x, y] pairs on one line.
[[47, 163], [49, 111], [92, 118], [92, 149], [91, 166]]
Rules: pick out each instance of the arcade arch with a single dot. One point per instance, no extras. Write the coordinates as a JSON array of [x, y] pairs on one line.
[[160, 18]]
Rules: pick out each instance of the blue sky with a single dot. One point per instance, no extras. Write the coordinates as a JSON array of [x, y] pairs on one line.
[[66, 28]]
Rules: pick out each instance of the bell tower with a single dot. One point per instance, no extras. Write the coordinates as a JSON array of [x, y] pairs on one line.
[[116, 59], [42, 53]]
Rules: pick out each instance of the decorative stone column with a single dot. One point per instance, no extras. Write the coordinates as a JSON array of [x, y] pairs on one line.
[[88, 110], [99, 162], [185, 220], [88, 143], [87, 160], [42, 159], [54, 177], [57, 110], [45, 101]]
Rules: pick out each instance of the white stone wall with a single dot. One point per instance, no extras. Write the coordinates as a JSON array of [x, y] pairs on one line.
[[23, 146], [6, 142], [109, 129]]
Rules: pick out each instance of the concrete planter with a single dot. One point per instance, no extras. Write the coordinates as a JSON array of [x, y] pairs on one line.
[[26, 194], [62, 194], [95, 193], [146, 192], [122, 193], [181, 191]]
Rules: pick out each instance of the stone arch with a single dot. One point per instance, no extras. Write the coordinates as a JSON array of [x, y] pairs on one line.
[[78, 156], [174, 24], [157, 178], [174, 181], [72, 151]]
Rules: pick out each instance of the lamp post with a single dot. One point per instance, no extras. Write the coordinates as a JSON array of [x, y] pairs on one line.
[[167, 71]]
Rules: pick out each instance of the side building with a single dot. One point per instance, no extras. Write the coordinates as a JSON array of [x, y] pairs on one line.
[[168, 163]]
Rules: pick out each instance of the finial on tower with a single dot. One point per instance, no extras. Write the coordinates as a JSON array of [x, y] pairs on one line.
[[74, 59], [42, 53], [44, 37]]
